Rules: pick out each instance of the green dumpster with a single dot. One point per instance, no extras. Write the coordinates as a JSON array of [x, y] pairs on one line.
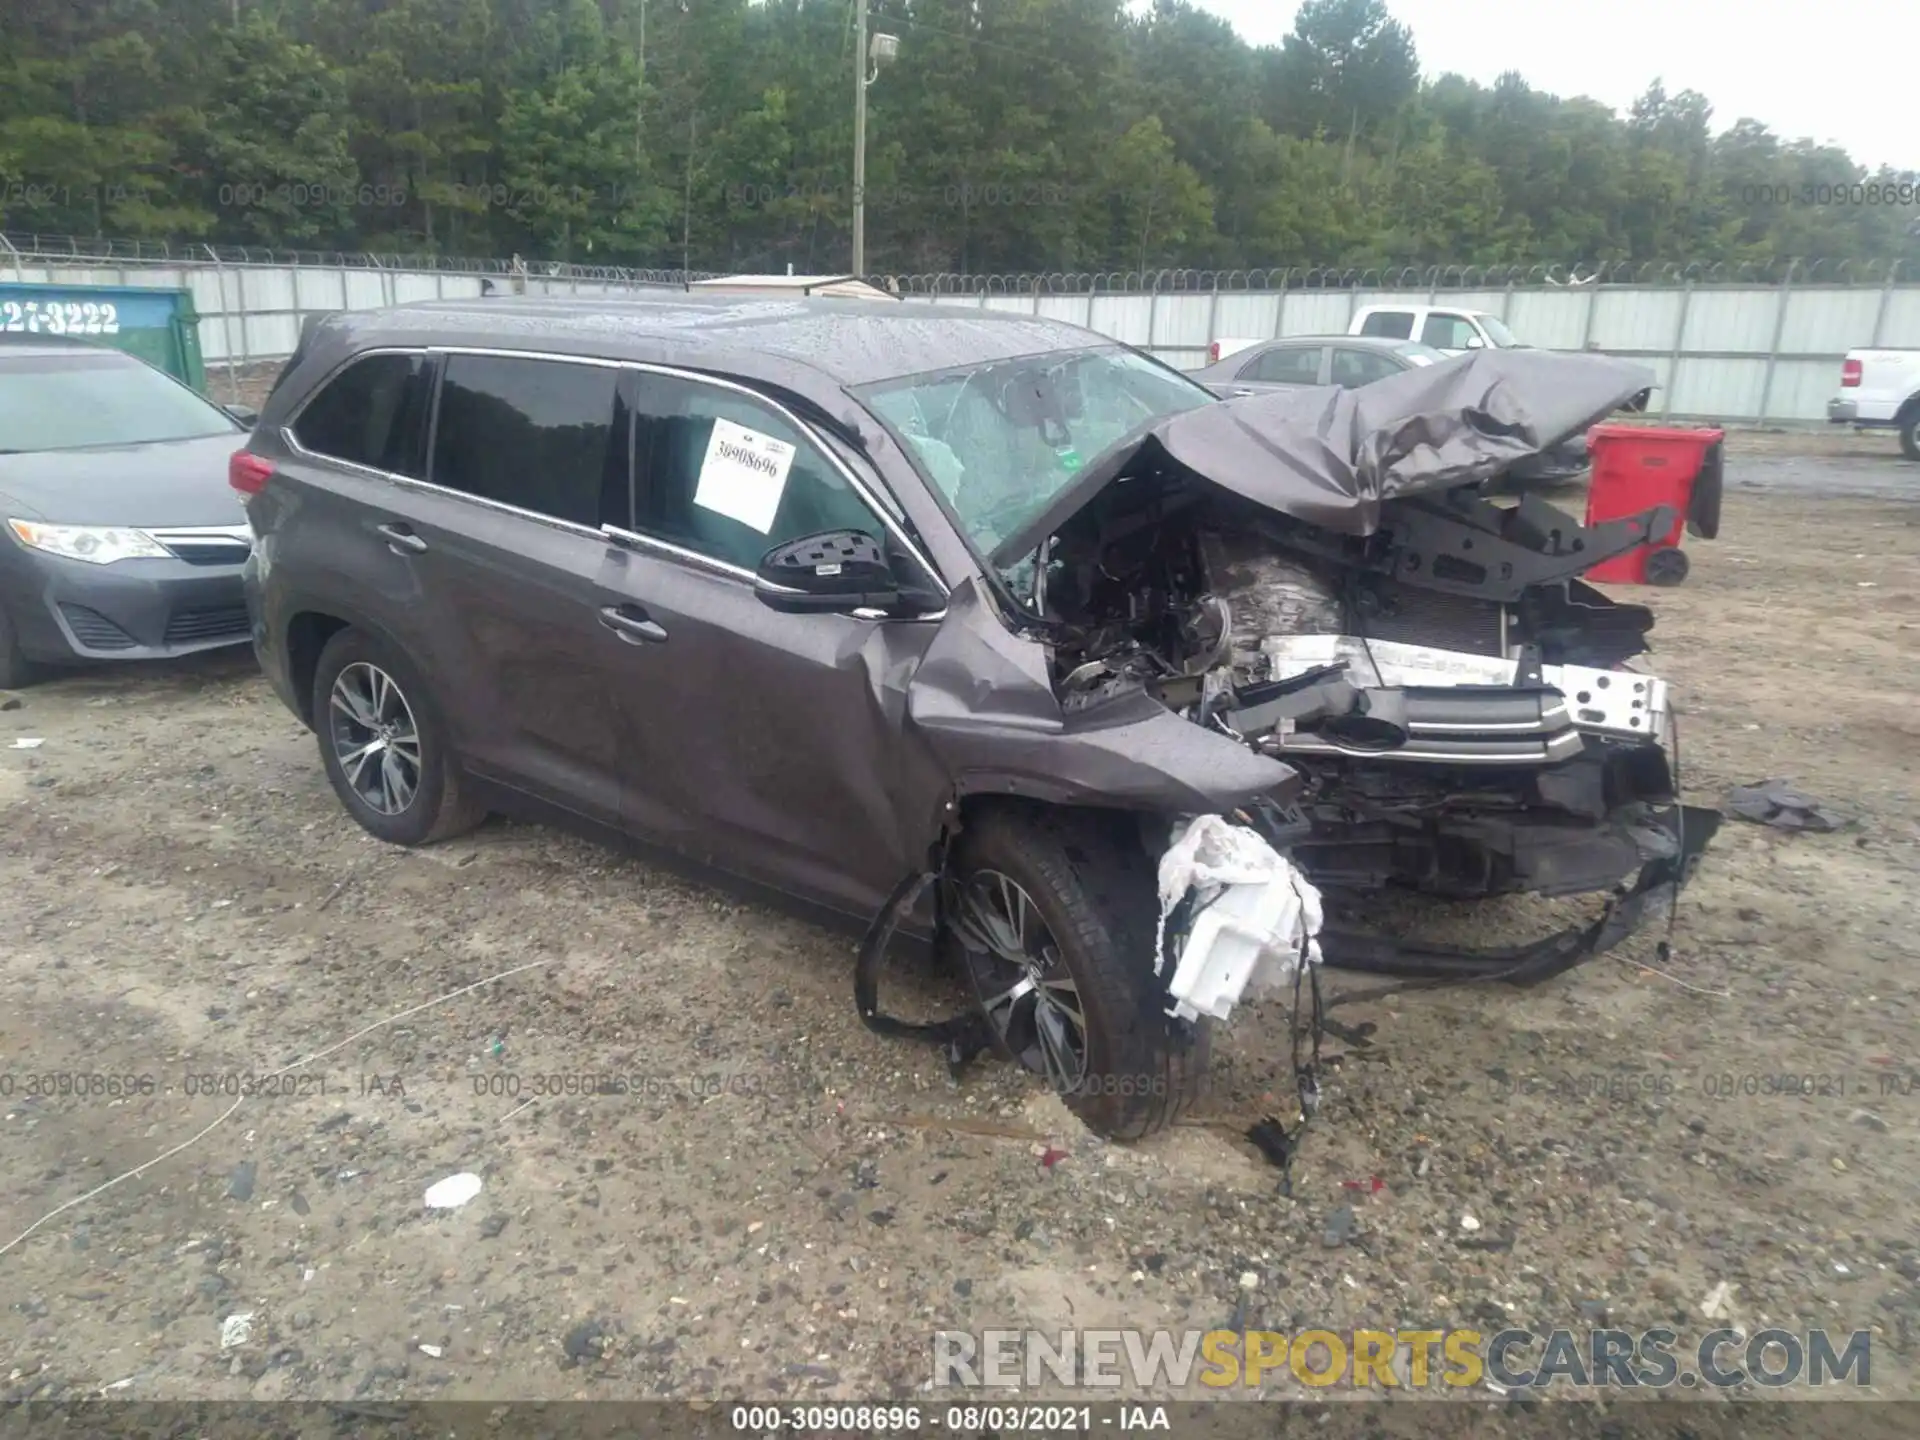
[[159, 326]]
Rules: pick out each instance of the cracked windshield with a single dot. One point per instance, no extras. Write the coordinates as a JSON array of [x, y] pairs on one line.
[[1000, 441]]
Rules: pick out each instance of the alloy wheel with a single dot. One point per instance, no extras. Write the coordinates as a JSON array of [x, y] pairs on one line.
[[1020, 977], [375, 738]]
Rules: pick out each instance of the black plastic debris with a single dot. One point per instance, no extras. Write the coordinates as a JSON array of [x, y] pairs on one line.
[[1496, 1243], [585, 1342], [1777, 803], [1273, 1141], [1360, 1036]]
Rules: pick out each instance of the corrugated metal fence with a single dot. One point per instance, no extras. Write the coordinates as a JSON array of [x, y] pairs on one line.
[[1752, 353], [1743, 350]]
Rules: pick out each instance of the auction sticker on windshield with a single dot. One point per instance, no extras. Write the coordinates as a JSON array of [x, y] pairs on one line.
[[744, 475]]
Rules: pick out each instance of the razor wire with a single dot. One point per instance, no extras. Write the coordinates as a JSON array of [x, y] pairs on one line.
[[19, 251], [1433, 278]]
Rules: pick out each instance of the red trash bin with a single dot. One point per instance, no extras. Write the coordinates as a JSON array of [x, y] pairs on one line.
[[1636, 467]]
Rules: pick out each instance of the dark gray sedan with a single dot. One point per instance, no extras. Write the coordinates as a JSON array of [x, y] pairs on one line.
[[1348, 361], [122, 539]]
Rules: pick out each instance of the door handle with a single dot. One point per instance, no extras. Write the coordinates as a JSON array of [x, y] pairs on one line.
[[1239, 394], [632, 625], [400, 540]]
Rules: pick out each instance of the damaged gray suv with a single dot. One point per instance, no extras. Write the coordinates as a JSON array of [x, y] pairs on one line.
[[939, 621]]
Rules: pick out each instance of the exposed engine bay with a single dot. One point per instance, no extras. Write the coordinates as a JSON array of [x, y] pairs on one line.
[[1469, 718]]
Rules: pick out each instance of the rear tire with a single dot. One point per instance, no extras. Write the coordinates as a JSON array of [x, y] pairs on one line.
[[385, 747], [1910, 434], [1089, 887]]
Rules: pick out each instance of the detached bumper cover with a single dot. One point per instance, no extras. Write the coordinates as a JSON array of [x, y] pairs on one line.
[[1651, 896]]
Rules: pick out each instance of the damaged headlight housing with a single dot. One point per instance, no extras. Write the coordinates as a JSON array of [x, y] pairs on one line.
[[95, 544]]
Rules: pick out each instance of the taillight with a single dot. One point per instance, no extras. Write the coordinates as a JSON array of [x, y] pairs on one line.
[[248, 473], [1213, 353], [1850, 372]]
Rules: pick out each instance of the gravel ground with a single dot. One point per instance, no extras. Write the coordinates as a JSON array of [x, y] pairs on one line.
[[783, 1205]]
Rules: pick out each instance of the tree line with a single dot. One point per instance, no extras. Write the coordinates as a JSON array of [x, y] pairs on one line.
[[1007, 135]]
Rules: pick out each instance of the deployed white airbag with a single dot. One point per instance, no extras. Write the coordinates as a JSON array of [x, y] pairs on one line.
[[1256, 916]]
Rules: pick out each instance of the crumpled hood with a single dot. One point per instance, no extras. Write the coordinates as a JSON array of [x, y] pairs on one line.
[[1330, 456]]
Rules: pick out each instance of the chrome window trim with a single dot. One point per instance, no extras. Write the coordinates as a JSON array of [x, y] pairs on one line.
[[609, 534], [675, 552], [427, 486], [728, 571], [887, 511], [286, 426], [881, 510]]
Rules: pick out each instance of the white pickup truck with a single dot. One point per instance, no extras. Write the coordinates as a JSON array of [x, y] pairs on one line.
[[1444, 327], [1880, 390]]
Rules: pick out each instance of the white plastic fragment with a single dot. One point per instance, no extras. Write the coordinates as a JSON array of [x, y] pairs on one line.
[[452, 1192], [28, 742], [1469, 1224], [1255, 917], [1717, 1305], [432, 1351], [236, 1330]]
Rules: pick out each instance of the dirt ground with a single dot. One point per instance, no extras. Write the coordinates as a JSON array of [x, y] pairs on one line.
[[783, 1205]]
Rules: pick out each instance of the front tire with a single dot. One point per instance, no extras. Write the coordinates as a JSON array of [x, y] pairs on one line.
[[1910, 434], [1051, 915], [386, 750]]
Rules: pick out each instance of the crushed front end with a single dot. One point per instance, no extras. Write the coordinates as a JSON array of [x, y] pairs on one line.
[[1470, 719]]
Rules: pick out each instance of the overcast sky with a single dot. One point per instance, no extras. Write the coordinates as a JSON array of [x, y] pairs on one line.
[[1844, 71]]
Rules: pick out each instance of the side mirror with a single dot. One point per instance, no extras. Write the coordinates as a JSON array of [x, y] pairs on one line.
[[830, 573], [1475, 342], [245, 414]]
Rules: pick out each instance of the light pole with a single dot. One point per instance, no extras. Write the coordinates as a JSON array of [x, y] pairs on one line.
[[868, 60]]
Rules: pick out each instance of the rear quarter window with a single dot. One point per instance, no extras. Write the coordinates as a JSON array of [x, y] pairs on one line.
[[373, 413]]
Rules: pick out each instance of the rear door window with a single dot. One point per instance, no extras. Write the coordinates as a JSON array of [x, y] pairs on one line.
[[1389, 324], [722, 474], [533, 434], [373, 413], [1448, 332], [1354, 368], [1286, 365]]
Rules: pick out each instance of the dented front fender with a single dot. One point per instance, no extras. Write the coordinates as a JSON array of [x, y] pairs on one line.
[[982, 702]]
